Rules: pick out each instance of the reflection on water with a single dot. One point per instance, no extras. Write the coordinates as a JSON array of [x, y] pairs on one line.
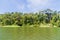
[[20, 33]]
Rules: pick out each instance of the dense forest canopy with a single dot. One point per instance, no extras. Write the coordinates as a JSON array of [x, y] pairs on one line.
[[42, 17]]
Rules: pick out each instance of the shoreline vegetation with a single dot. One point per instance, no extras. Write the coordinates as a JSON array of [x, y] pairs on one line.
[[45, 18], [41, 25]]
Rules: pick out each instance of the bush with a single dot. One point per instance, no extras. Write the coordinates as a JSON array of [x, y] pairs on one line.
[[8, 22]]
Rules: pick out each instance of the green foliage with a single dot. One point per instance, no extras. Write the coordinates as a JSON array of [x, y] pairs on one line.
[[20, 19]]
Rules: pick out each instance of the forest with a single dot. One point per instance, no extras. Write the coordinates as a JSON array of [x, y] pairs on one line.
[[44, 17]]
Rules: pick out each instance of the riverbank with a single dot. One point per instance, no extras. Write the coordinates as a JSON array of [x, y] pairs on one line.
[[41, 25]]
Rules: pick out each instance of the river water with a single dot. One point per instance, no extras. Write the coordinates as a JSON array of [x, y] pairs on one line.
[[22, 33]]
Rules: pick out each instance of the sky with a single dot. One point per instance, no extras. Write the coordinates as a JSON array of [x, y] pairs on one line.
[[28, 5]]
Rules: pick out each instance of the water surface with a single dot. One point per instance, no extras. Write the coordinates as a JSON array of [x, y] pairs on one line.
[[30, 33]]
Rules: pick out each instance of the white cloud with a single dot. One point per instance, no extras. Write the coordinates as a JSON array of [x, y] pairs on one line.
[[37, 4], [32, 5], [21, 7]]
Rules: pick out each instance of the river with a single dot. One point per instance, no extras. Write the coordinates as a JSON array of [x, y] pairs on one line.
[[22, 33]]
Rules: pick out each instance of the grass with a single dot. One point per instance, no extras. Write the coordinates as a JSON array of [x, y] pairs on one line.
[[36, 25], [11, 26]]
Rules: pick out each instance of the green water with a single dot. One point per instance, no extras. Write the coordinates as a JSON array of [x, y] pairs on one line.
[[23, 33]]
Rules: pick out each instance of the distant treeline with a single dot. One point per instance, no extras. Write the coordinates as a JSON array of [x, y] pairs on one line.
[[18, 18]]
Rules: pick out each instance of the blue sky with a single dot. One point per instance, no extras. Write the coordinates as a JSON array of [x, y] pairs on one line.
[[28, 5]]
